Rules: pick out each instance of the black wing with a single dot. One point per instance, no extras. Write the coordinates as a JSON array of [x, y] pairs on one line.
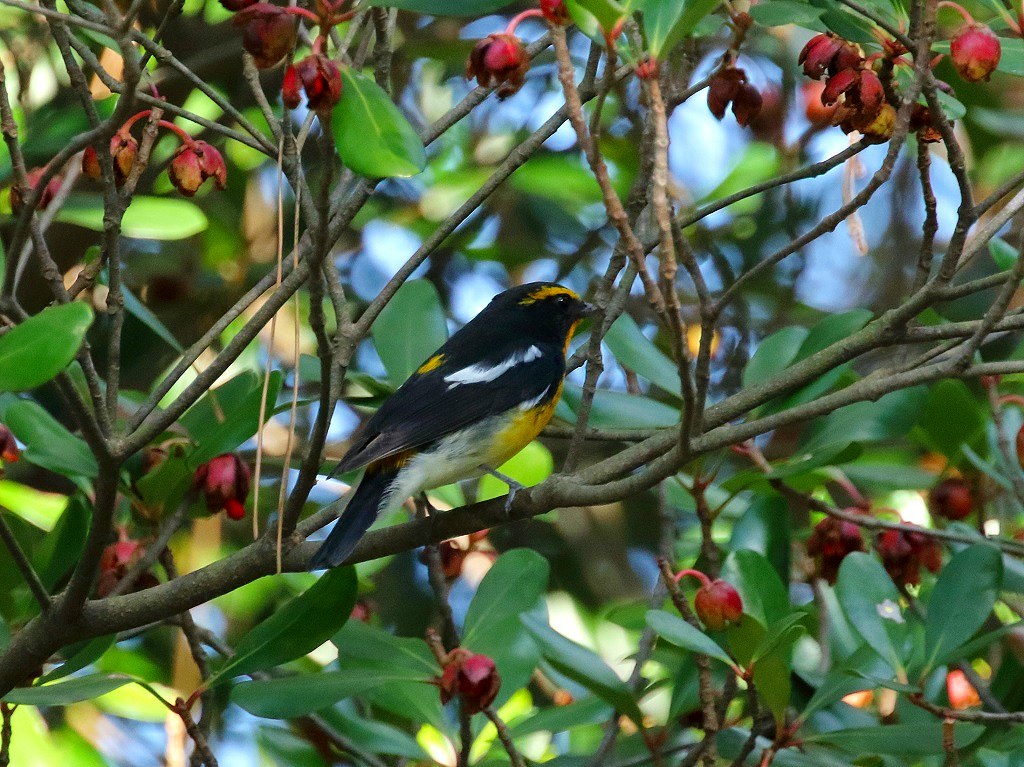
[[427, 407]]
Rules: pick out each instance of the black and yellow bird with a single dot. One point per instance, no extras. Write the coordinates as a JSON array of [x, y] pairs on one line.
[[475, 403]]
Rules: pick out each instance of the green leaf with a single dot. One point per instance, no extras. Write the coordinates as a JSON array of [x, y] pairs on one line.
[[618, 409], [763, 593], [298, 627], [79, 656], [415, 305], [674, 629], [765, 528], [38, 508], [373, 137], [141, 312], [1012, 59], [363, 645], [1003, 253], [147, 218], [871, 603], [47, 443], [530, 466], [918, 739], [635, 351], [59, 551], [778, 13], [514, 585], [666, 23], [444, 7], [832, 329], [290, 697], [890, 417], [222, 427], [583, 666], [607, 13], [589, 710], [773, 355], [951, 417], [962, 600], [42, 346], [71, 691]]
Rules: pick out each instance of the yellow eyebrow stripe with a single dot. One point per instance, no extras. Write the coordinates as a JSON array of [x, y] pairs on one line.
[[432, 364], [546, 292]]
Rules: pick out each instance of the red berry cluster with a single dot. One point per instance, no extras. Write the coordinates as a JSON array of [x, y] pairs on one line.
[[831, 541], [193, 163], [852, 86], [500, 60], [903, 554], [729, 85], [225, 482], [471, 677], [974, 49], [269, 34]]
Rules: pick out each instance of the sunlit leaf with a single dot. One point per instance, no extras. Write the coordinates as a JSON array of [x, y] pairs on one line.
[[147, 218], [42, 346]]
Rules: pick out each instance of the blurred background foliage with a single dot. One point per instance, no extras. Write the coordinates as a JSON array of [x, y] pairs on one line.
[[187, 260]]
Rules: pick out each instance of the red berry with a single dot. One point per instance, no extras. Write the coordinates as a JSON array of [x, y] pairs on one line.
[[975, 51], [321, 81], [268, 33], [473, 678], [555, 11], [290, 88], [724, 86], [9, 452], [960, 691], [818, 115], [746, 104], [903, 553], [225, 482], [952, 498], [718, 605], [499, 60], [193, 164]]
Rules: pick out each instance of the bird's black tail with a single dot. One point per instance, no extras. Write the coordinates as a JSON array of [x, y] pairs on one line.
[[356, 519]]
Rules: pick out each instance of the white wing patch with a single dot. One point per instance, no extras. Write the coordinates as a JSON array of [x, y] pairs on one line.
[[484, 373], [530, 404]]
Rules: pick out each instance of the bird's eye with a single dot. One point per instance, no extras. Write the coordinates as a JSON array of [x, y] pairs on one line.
[[562, 300]]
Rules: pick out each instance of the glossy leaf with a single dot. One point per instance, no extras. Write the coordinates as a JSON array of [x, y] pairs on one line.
[[962, 600], [871, 603], [298, 627], [38, 508], [763, 593], [773, 355], [289, 697], [584, 666], [621, 410], [918, 739], [42, 346], [373, 137], [402, 349], [69, 691], [360, 643], [635, 351], [47, 443], [227, 416], [513, 586], [79, 656], [142, 313], [147, 218], [674, 629]]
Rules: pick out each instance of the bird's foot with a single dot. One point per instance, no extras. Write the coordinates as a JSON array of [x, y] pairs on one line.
[[513, 486]]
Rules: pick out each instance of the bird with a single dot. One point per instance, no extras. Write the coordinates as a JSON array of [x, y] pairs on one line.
[[478, 400]]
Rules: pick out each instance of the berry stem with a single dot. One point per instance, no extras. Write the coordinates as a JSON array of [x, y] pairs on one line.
[[705, 581], [179, 132], [958, 8], [527, 14], [134, 119], [295, 10]]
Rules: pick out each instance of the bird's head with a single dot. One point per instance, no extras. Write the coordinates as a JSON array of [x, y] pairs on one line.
[[545, 311]]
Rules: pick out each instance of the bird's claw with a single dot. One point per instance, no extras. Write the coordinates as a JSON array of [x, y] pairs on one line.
[[513, 487]]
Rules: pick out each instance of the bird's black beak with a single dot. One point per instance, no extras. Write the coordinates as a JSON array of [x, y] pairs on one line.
[[584, 310]]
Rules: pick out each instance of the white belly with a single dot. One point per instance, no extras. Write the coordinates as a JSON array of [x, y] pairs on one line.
[[456, 457]]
